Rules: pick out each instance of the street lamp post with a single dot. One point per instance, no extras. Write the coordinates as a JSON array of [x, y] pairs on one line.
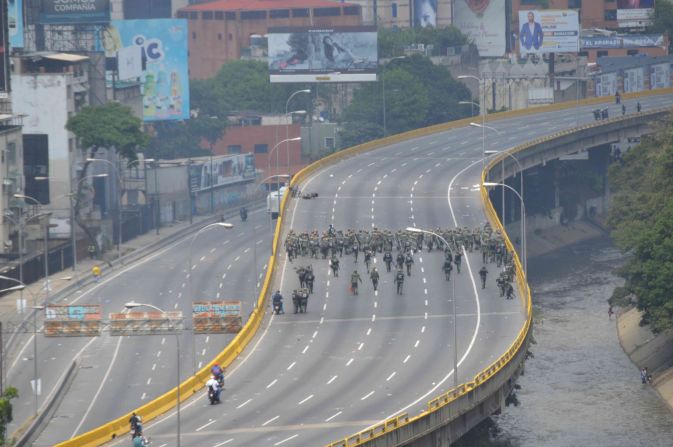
[[119, 202], [453, 301], [278, 166], [133, 305], [383, 88], [482, 107], [302, 112], [483, 154], [524, 248], [279, 176], [226, 226], [502, 167]]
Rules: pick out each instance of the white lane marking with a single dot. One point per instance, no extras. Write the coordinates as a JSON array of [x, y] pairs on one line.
[[143, 396], [205, 425], [246, 250], [291, 365], [305, 349], [349, 362], [203, 351], [212, 250], [163, 340], [367, 395], [271, 384], [149, 380], [322, 319], [417, 343], [237, 258], [286, 439], [406, 359], [391, 376], [158, 353], [361, 346], [423, 329], [315, 334], [332, 379], [259, 242], [224, 443], [333, 416], [306, 399], [203, 258], [154, 366], [369, 331], [244, 404], [270, 421], [376, 304], [373, 318]]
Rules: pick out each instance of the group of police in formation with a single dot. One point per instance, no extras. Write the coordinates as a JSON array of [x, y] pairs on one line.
[[332, 244]]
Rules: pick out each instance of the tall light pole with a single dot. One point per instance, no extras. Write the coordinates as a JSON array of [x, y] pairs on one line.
[[502, 164], [278, 176], [483, 160], [119, 202], [482, 107], [298, 112], [383, 88], [278, 166], [133, 305], [226, 226], [453, 300], [523, 223]]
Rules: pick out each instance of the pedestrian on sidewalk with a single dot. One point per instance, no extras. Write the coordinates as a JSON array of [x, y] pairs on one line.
[[95, 270], [610, 312], [645, 376]]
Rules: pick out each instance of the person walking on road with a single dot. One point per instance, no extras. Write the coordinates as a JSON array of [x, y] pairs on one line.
[[399, 281], [409, 260], [96, 272], [458, 259], [355, 279], [388, 259], [483, 273], [374, 275], [447, 267], [334, 265]]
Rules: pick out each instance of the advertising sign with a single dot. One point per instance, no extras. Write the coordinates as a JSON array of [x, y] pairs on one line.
[[484, 22], [145, 323], [221, 171], [74, 321], [425, 13], [634, 80], [165, 80], [216, 317], [606, 84], [630, 41], [15, 22], [75, 11], [129, 63], [548, 31], [660, 76], [346, 54], [635, 13]]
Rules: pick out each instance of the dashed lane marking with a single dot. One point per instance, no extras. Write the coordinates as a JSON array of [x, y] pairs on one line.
[[333, 416], [206, 425]]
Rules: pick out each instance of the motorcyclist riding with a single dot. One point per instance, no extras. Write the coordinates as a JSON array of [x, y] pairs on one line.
[[213, 390], [218, 373], [278, 302]]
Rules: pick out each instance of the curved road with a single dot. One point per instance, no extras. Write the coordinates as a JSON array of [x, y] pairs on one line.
[[353, 361]]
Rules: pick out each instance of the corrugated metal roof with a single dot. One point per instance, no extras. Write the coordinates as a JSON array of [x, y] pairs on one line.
[[250, 5], [65, 57]]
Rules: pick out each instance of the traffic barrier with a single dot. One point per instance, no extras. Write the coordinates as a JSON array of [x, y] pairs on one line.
[[192, 385]]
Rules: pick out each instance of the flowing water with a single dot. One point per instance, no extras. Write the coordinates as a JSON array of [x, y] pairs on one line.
[[579, 389]]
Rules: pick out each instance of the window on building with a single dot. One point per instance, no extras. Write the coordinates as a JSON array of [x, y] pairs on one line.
[[583, 54], [574, 4], [602, 53], [230, 15], [610, 15], [194, 35], [394, 11], [234, 149], [261, 148], [631, 52], [351, 10], [329, 143], [207, 15], [253, 15], [326, 12], [300, 12], [219, 15], [193, 15], [11, 154], [279, 13]]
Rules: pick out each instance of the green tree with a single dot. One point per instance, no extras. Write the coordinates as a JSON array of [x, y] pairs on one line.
[[641, 223], [393, 41], [112, 126], [6, 412], [663, 17]]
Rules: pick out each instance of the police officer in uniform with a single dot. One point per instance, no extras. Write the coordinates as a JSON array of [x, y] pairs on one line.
[[374, 275], [399, 281], [482, 274], [388, 259]]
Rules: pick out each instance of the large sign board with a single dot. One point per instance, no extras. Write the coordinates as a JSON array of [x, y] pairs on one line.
[[606, 84], [660, 76], [72, 321], [484, 23], [221, 171], [74, 11], [15, 22], [216, 317], [145, 323], [548, 31], [629, 41], [425, 13], [345, 54], [163, 46], [635, 13]]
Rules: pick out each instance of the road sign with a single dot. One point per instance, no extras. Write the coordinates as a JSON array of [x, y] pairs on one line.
[[216, 317], [83, 320], [145, 323]]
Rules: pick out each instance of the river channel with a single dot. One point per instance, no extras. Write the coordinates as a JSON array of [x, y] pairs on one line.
[[579, 389]]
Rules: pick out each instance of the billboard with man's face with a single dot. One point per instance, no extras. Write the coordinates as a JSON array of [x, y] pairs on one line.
[[345, 54], [548, 31], [425, 13], [635, 13], [484, 22]]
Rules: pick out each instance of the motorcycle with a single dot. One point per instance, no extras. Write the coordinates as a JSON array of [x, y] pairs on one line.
[[213, 396]]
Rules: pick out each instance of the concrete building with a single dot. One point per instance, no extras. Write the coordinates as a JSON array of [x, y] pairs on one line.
[[48, 88], [224, 30], [11, 175], [631, 74], [145, 9], [400, 13]]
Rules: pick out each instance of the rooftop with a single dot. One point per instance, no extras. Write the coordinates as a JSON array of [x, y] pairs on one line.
[[249, 5]]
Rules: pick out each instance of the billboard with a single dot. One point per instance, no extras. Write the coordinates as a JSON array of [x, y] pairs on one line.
[[216, 317], [484, 23], [425, 13], [163, 46], [345, 54], [36, 164], [606, 84], [75, 321], [221, 171], [635, 13], [629, 41], [660, 76], [634, 80], [15, 22], [74, 11], [548, 31]]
